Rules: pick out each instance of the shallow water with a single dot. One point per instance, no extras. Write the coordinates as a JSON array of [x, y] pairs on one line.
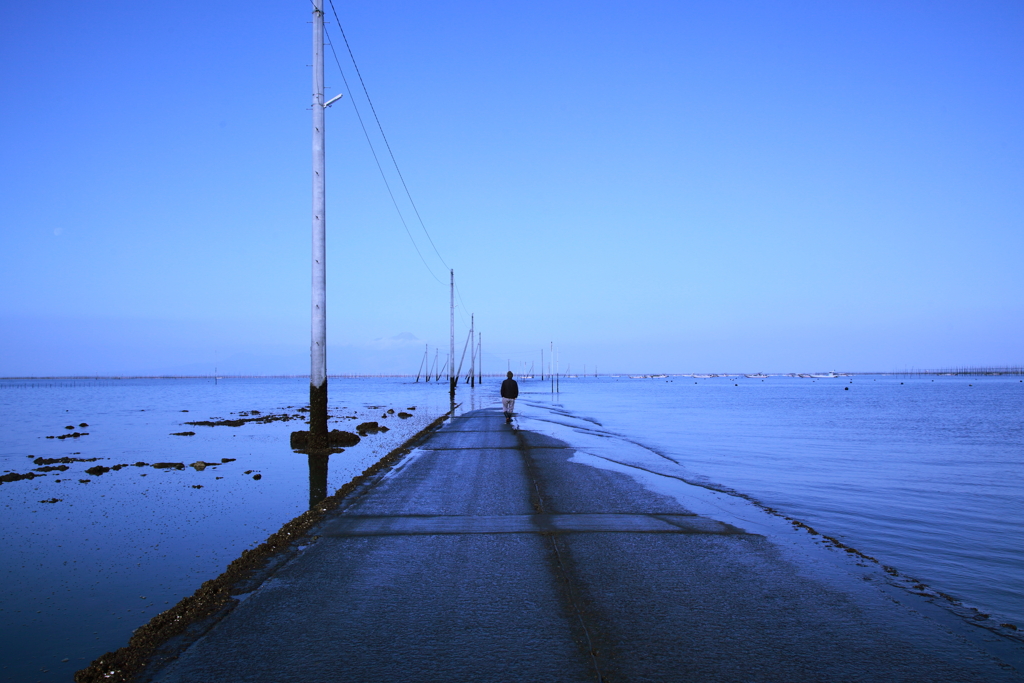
[[79, 575], [925, 474]]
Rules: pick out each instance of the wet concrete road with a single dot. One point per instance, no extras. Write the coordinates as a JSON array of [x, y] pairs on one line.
[[489, 556]]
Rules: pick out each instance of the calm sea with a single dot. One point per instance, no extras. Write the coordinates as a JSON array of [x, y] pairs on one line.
[[78, 575], [926, 474]]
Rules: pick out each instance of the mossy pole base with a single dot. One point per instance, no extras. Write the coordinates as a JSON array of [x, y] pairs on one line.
[[318, 416]]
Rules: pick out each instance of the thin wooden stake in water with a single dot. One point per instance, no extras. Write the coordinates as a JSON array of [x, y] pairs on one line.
[[423, 363]]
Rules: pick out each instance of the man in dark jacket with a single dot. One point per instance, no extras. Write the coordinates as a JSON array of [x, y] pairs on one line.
[[509, 393]]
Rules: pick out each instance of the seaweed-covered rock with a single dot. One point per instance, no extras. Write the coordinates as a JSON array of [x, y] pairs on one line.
[[339, 439], [72, 435], [404, 415], [51, 468], [169, 465], [65, 460], [97, 470], [14, 476], [199, 465], [365, 428], [335, 439], [217, 423], [183, 433]]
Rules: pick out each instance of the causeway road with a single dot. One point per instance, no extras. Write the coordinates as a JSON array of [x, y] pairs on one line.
[[487, 554]]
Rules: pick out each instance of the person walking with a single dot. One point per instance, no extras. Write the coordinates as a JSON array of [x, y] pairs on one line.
[[509, 394]]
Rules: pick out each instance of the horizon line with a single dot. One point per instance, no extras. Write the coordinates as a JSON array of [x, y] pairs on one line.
[[991, 370]]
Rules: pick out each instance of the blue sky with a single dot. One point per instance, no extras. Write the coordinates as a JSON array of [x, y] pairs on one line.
[[654, 186]]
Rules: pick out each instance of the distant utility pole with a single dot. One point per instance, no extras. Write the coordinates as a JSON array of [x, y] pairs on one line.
[[318, 346], [452, 379], [542, 365], [551, 360], [472, 351], [480, 357]]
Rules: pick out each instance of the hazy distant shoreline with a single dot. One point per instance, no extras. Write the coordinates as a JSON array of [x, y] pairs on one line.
[[972, 371]]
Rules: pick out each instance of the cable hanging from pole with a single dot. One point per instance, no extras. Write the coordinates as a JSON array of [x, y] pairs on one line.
[[376, 160], [391, 153], [381, 128]]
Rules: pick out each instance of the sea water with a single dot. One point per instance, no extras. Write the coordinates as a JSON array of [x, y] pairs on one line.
[[88, 558], [925, 474]]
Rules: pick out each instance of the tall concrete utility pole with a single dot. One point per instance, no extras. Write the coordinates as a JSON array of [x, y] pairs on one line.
[[318, 346], [452, 379]]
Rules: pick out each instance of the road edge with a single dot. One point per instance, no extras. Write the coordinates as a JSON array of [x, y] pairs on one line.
[[171, 631]]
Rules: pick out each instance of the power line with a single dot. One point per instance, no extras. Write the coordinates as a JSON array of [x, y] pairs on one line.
[[391, 153], [381, 128], [377, 160]]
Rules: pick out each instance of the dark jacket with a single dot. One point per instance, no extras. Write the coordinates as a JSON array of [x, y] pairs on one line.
[[509, 389]]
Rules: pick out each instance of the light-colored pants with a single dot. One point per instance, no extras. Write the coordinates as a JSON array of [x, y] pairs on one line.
[[507, 404]]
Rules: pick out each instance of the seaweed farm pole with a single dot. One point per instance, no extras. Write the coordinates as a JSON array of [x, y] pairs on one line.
[[318, 347], [542, 365], [426, 350]]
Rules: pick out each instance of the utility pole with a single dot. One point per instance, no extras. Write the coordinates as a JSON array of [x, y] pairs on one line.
[[480, 357], [318, 345], [452, 379], [551, 360], [472, 351]]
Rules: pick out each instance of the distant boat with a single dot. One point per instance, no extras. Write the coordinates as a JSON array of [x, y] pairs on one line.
[[757, 376]]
